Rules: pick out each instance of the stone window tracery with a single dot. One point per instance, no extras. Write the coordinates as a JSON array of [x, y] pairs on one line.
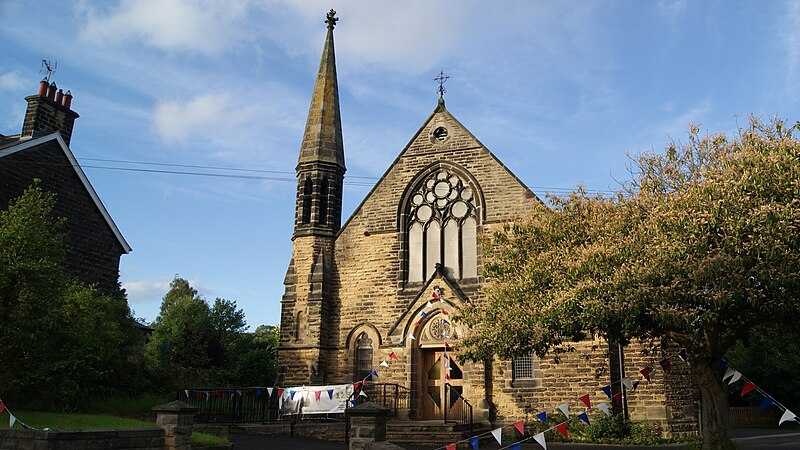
[[442, 227], [363, 356]]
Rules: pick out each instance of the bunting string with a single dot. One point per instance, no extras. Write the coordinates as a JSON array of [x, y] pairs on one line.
[[12, 419]]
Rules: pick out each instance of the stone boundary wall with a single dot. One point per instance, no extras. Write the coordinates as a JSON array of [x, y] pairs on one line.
[[148, 439]]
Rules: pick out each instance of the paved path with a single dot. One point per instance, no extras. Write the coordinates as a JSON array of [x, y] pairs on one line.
[[745, 438]]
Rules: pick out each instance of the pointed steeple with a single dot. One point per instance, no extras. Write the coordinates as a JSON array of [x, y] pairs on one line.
[[322, 140], [320, 167]]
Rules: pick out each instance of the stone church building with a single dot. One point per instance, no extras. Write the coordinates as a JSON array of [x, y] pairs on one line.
[[407, 261]]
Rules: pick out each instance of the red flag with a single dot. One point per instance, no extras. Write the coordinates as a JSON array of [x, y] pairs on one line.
[[280, 392], [416, 324], [618, 398], [665, 364], [356, 385], [562, 427], [444, 311], [2, 407], [451, 446], [316, 394], [520, 426], [586, 401], [435, 295], [646, 373], [749, 386], [447, 346], [393, 356], [447, 377], [364, 383]]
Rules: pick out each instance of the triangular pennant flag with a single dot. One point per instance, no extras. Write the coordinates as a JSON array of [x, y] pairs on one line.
[[2, 407], [429, 305], [682, 355], [316, 395], [562, 427], [417, 324], [728, 373], [435, 295], [393, 356], [185, 392], [645, 373], [280, 392], [603, 407], [447, 346], [584, 417], [627, 383], [362, 394], [364, 383], [515, 446], [722, 363], [635, 385], [269, 391], [450, 446], [520, 426], [330, 394], [352, 402], [473, 441], [444, 311], [11, 420], [564, 407], [766, 403], [542, 416], [258, 392], [384, 363], [291, 394], [539, 438], [586, 400], [423, 314], [498, 435], [411, 336], [749, 386], [374, 374], [607, 391], [665, 364], [447, 377], [618, 398], [787, 415], [736, 377]]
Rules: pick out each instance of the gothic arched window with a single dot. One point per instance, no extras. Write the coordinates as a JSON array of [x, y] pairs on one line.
[[363, 357], [442, 227], [323, 202], [308, 189]]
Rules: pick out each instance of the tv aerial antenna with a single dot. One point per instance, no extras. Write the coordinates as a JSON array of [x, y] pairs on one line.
[[48, 68]]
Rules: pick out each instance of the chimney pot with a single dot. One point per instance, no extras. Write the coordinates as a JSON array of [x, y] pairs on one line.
[[67, 100], [43, 86], [51, 91], [60, 96]]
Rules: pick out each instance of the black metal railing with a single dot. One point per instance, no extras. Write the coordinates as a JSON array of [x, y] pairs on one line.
[[392, 396], [463, 415], [232, 405]]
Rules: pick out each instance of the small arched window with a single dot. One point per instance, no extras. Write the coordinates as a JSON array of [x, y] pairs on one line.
[[322, 218], [299, 326], [442, 227], [308, 189], [363, 357]]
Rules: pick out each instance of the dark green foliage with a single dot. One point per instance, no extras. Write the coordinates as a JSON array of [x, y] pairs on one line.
[[60, 341]]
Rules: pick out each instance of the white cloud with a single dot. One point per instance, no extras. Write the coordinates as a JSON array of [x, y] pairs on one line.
[[12, 81], [146, 291], [210, 114], [205, 26]]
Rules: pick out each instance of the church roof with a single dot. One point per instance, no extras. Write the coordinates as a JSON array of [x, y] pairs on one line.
[[322, 140]]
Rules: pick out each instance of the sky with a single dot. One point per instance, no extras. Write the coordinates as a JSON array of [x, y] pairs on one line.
[[561, 92]]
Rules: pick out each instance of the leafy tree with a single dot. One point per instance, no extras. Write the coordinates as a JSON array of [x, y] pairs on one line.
[[257, 364], [697, 249], [60, 341]]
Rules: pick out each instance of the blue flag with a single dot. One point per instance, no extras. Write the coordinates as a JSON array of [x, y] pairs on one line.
[[258, 392], [515, 446], [330, 393], [291, 394], [542, 416], [374, 374], [584, 418], [473, 441], [607, 390], [423, 314], [766, 403]]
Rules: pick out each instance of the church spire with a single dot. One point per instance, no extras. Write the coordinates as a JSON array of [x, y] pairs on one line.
[[320, 167], [322, 140]]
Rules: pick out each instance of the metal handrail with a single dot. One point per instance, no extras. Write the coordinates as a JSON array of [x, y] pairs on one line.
[[465, 422], [390, 395]]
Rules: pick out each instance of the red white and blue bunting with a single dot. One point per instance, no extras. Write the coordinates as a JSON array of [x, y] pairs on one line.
[[12, 419]]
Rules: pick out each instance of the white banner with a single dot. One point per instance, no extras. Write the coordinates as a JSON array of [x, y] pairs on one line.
[[315, 399]]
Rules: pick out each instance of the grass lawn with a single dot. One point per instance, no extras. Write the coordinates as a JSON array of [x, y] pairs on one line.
[[63, 421]]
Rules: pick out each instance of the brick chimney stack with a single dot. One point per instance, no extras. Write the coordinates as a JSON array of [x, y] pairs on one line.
[[48, 111]]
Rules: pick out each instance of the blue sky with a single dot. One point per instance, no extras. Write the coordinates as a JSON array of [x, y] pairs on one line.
[[559, 91]]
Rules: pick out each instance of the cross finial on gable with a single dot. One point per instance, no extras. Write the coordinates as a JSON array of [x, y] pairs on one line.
[[331, 19], [441, 78]]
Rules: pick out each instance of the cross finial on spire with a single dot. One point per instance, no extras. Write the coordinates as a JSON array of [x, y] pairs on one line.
[[331, 19], [441, 78]]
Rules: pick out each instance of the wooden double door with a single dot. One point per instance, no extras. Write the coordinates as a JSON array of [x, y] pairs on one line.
[[442, 384]]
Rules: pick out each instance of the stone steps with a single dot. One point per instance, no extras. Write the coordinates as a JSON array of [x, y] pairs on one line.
[[429, 433]]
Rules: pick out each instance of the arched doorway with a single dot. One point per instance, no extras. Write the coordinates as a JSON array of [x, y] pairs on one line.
[[439, 374]]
